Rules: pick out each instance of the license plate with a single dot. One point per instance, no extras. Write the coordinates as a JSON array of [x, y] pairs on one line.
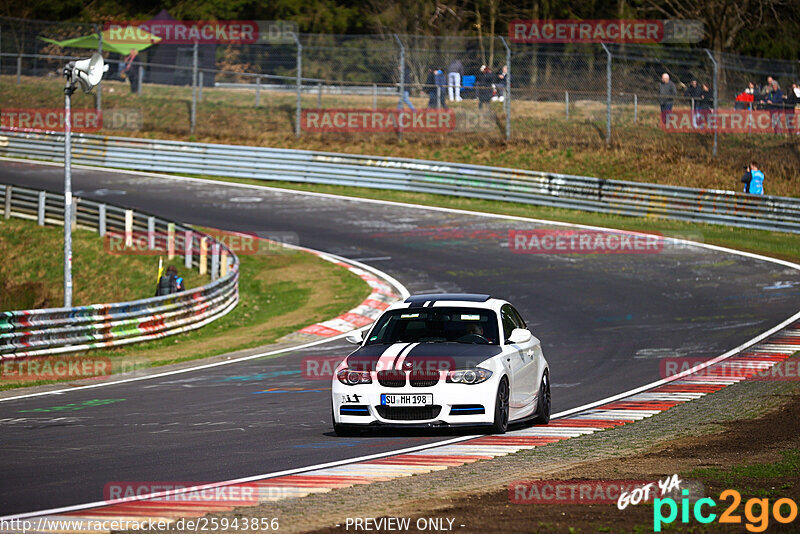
[[396, 399]]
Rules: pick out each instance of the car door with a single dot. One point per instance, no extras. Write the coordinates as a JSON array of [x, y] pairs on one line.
[[531, 352], [519, 363]]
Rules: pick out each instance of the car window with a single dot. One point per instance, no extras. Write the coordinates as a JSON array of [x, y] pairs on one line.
[[436, 325], [507, 317], [518, 318]]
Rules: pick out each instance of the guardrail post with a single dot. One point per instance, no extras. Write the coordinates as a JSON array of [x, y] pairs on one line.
[[608, 94], [141, 81], [7, 208], [200, 86], [42, 198], [374, 96], [19, 69], [151, 233], [566, 104], [403, 80], [635, 108], [299, 106], [203, 268], [128, 228], [319, 96], [170, 240], [214, 261], [507, 99], [194, 88], [438, 96], [187, 248], [258, 90], [223, 263], [716, 98], [101, 222]]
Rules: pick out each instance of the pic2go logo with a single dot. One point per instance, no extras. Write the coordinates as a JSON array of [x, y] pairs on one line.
[[783, 511]]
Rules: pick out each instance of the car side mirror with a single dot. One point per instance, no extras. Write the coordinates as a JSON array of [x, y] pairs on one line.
[[519, 335], [356, 338]]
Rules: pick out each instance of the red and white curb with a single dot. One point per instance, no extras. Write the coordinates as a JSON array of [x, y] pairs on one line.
[[701, 380]]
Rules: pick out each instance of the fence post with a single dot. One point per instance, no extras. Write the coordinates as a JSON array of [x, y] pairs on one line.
[[141, 81], [566, 104], [98, 96], [203, 268], [608, 94], [194, 88], [258, 91], [151, 233], [374, 96], [128, 228], [7, 208], [19, 69], [438, 96], [188, 238], [170, 240], [214, 261], [299, 106], [40, 211], [635, 107], [101, 223], [223, 264], [716, 98], [319, 95], [507, 103], [200, 86], [402, 80]]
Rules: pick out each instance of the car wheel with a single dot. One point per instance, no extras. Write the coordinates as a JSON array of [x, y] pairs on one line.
[[501, 409], [342, 430], [543, 407]]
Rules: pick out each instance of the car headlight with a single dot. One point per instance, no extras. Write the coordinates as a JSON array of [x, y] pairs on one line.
[[349, 377], [469, 376]]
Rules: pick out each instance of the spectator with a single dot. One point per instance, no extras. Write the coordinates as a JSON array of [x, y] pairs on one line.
[[503, 77], [484, 85], [765, 89], [693, 92], [405, 83], [756, 185], [666, 92], [169, 282], [744, 100], [706, 103], [746, 178], [774, 103], [441, 88], [434, 85], [455, 71], [791, 99], [131, 70]]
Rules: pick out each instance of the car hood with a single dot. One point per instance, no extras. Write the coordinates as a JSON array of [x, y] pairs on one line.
[[420, 356]]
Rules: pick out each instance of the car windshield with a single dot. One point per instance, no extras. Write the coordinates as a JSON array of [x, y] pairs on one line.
[[436, 325]]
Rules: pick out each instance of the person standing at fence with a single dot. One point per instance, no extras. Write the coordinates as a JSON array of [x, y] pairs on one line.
[[169, 282], [744, 100], [706, 103], [441, 88], [405, 83], [484, 83], [131, 70], [502, 77], [756, 186], [666, 93], [774, 103], [455, 71], [693, 92], [791, 99]]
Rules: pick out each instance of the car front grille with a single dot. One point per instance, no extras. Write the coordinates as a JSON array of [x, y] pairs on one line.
[[408, 413], [392, 379], [424, 380]]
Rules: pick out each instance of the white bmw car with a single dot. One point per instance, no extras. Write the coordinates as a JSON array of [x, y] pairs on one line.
[[443, 360]]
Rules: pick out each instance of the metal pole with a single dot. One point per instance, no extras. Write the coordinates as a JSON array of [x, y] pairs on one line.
[[716, 98], [608, 94], [438, 96], [141, 81], [200, 86], [101, 223], [319, 96], [7, 208], [68, 90], [194, 88], [258, 90], [299, 105], [41, 210], [374, 96], [402, 80], [19, 69], [98, 96], [635, 108], [566, 104], [507, 102]]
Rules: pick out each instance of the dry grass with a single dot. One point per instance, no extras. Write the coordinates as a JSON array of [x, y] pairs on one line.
[[542, 138]]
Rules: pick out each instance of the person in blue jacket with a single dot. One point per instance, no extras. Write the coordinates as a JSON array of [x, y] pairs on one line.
[[756, 186]]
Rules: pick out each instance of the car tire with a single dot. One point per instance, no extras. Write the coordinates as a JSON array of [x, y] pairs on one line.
[[501, 408], [543, 404], [343, 431]]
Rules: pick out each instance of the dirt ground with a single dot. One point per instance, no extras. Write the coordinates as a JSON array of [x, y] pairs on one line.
[[752, 441]]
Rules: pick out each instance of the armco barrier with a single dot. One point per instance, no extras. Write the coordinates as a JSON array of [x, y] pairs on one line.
[[61, 330], [475, 181]]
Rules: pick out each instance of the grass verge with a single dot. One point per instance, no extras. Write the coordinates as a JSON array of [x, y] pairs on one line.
[[279, 294]]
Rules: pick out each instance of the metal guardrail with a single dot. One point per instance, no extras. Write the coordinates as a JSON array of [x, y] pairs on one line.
[[62, 330], [492, 183]]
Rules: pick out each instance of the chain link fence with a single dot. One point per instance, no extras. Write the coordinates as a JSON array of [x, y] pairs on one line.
[[587, 94]]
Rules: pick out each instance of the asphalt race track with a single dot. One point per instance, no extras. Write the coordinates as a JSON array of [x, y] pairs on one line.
[[606, 322]]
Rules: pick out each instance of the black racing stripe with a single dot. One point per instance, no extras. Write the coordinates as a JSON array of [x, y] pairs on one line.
[[405, 349]]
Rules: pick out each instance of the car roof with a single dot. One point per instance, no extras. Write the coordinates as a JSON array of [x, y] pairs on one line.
[[433, 297], [472, 300]]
